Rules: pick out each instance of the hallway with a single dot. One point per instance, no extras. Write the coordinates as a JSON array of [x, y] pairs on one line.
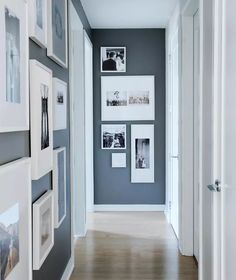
[[130, 246]]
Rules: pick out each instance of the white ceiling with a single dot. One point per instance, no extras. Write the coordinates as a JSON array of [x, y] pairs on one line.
[[128, 13]]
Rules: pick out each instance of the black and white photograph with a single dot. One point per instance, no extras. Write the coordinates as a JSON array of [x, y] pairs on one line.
[[142, 152], [57, 26], [114, 136], [117, 98], [139, 97], [113, 59], [9, 241], [45, 119], [12, 57], [60, 98]]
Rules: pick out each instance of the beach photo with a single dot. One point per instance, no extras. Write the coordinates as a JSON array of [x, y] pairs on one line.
[[117, 98], [114, 136], [139, 97], [113, 59]]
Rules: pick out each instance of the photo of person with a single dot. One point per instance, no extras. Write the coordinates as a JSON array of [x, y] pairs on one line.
[[117, 98], [142, 153], [114, 136], [113, 59]]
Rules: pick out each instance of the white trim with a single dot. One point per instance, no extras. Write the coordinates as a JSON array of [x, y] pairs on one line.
[[69, 270], [129, 208]]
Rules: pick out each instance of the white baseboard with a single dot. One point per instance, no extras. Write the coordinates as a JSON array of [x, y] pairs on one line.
[[129, 208], [69, 269]]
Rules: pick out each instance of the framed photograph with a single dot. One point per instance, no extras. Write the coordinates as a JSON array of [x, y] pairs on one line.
[[41, 119], [15, 221], [59, 186], [14, 49], [113, 59], [59, 104], [142, 153], [128, 98], [113, 136], [43, 229], [119, 160], [38, 22], [57, 32]]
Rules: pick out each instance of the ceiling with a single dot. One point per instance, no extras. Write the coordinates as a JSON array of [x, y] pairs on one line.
[[128, 13]]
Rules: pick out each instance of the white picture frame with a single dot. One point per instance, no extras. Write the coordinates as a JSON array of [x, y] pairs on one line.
[[41, 119], [118, 160], [16, 219], [43, 229], [59, 185], [113, 137], [57, 48], [14, 94], [128, 98], [142, 154], [115, 64], [38, 22], [59, 104]]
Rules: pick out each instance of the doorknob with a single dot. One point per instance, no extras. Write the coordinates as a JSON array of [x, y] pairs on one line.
[[215, 187]]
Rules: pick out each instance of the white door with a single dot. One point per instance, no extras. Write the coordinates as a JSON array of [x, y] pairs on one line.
[[174, 135], [196, 26], [88, 71]]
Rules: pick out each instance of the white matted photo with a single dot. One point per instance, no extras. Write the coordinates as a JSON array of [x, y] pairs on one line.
[[128, 98], [59, 104], [43, 229], [119, 160], [59, 185], [113, 59], [113, 136], [15, 221], [41, 119], [14, 94], [142, 153], [38, 22], [57, 32]]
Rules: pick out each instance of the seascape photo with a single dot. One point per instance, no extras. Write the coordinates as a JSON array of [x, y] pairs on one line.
[[113, 59], [45, 227], [116, 98], [139, 97], [142, 153], [12, 57], [114, 136], [39, 9], [44, 117], [61, 186], [9, 241]]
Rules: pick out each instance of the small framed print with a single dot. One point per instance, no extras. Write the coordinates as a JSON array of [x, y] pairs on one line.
[[59, 104], [43, 229], [119, 160], [113, 59], [59, 185], [38, 22], [113, 136]]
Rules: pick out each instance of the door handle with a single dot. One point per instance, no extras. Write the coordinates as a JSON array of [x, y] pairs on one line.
[[175, 157], [215, 187]]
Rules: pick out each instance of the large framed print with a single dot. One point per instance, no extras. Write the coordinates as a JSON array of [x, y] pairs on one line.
[[142, 153], [38, 22], [15, 221], [41, 119], [14, 94], [59, 185], [128, 98], [43, 229], [57, 32], [113, 136], [59, 104], [113, 59]]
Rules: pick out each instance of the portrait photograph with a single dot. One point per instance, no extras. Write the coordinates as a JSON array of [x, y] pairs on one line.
[[113, 59], [114, 136]]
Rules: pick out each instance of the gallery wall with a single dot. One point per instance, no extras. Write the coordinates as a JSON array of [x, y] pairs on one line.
[[17, 144], [145, 56]]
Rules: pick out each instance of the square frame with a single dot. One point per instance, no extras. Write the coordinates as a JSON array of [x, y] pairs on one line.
[[119, 160], [113, 126], [59, 198], [43, 206], [102, 59], [15, 188]]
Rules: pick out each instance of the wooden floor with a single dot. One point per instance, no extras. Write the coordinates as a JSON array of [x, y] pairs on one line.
[[131, 246]]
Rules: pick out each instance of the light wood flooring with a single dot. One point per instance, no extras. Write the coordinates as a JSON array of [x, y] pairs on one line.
[[131, 246]]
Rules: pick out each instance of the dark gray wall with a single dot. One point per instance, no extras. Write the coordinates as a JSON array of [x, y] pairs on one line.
[[145, 56], [15, 145]]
